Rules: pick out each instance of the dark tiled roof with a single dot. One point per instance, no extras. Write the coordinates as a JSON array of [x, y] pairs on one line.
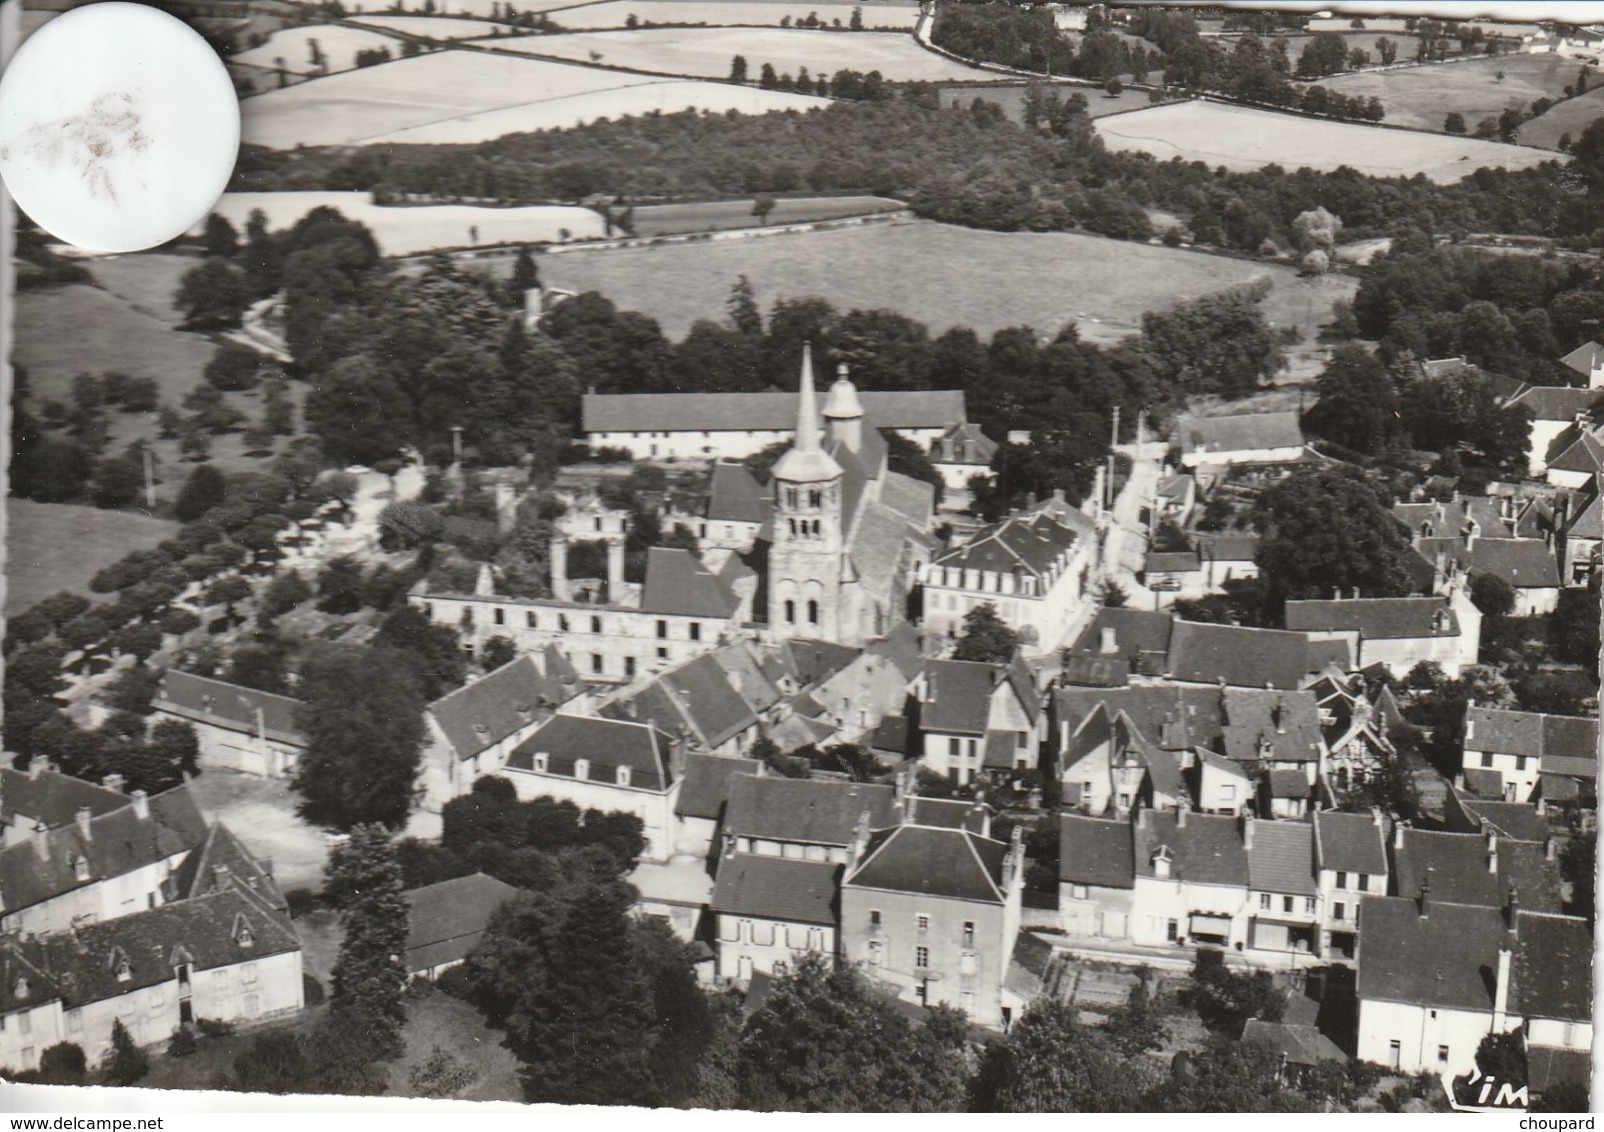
[[1458, 867], [1175, 486], [1282, 857], [812, 662], [958, 696], [1245, 658], [1452, 953], [1299, 1044], [1566, 744], [1552, 974], [1522, 562], [23, 984], [1172, 562], [715, 709], [949, 813], [1556, 402], [757, 412], [220, 704], [1095, 851], [606, 743], [1288, 784], [200, 873], [746, 675], [910, 498], [204, 932], [706, 786], [1206, 849], [1585, 454], [52, 797], [777, 888], [1135, 631], [1031, 543], [1289, 722], [963, 444], [1583, 358], [935, 862], [1228, 546], [1485, 783], [1518, 821], [1242, 432], [1376, 618], [900, 647], [483, 713], [677, 583], [735, 495], [446, 920], [1350, 843], [891, 735], [807, 811]]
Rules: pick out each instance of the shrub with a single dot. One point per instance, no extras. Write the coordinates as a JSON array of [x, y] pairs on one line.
[[62, 1064], [182, 1043], [127, 1062], [213, 1028], [300, 901], [456, 983], [441, 1075]]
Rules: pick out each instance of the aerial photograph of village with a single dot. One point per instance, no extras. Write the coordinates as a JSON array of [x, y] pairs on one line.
[[863, 556]]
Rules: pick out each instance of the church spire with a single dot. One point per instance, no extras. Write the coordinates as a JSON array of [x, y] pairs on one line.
[[807, 409], [805, 461]]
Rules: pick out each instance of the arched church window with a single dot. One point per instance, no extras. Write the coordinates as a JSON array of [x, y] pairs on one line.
[[813, 613], [790, 613]]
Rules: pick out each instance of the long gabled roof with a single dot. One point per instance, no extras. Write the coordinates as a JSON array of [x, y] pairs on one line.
[[958, 694], [447, 919], [1095, 851], [232, 706], [1242, 432], [483, 713], [1447, 958], [1376, 618], [678, 584], [1024, 544], [52, 797], [717, 712], [221, 861], [1552, 973], [777, 888], [1242, 657], [805, 811], [1459, 872], [1566, 744], [927, 861], [757, 412], [1556, 402], [1584, 357], [1203, 848], [605, 743], [708, 780]]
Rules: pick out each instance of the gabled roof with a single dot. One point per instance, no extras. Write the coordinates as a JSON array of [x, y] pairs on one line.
[[677, 583], [52, 797], [205, 932], [1566, 744], [1452, 952], [1242, 432], [1027, 543], [1242, 657], [1287, 722], [958, 694], [715, 709], [1298, 1044], [735, 495], [949, 813], [222, 861], [812, 662], [913, 499], [1585, 454], [1172, 562], [1522, 562], [1176, 486], [481, 714], [446, 920], [1551, 976], [1556, 402], [1286, 783], [1095, 851], [23, 984], [1457, 864], [1350, 843], [746, 675], [900, 647], [1584, 358], [1485, 783], [926, 861], [805, 811], [1135, 631], [1203, 848], [606, 743], [1376, 618], [964, 444], [232, 706], [777, 888], [1228, 546], [757, 412], [1281, 858], [1516, 821], [707, 783]]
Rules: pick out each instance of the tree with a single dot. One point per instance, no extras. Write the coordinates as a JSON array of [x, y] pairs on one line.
[[1329, 529], [220, 238], [1114, 88], [738, 69], [1225, 999], [234, 368], [1358, 403], [497, 651], [433, 652], [1049, 1063], [228, 592], [1387, 49], [127, 1062], [762, 205], [363, 720], [986, 637], [369, 977], [1492, 595], [339, 585], [63, 1064], [117, 483], [204, 490], [285, 592], [856, 22], [1454, 123], [213, 294], [174, 750]]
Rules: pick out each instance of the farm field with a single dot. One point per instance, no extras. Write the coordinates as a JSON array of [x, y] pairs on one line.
[[707, 52], [1569, 117], [728, 13], [713, 215], [420, 228], [1011, 97], [465, 97], [1422, 97], [338, 44], [435, 27], [58, 546], [942, 275], [1242, 139], [147, 281]]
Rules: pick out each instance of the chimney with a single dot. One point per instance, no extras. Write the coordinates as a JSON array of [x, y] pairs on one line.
[[506, 508], [1512, 909], [1425, 896], [860, 839], [1108, 640], [1398, 834], [141, 804], [83, 816], [981, 812], [1550, 849], [560, 589], [1180, 817], [1492, 853], [1142, 819], [484, 583], [113, 781], [221, 878], [615, 568], [1501, 991], [1375, 817], [1247, 832], [41, 840], [38, 765], [1472, 529], [1355, 593]]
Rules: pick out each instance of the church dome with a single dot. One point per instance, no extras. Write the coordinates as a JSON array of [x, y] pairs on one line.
[[842, 402]]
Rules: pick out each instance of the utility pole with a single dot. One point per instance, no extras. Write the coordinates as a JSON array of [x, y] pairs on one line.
[[1108, 484]]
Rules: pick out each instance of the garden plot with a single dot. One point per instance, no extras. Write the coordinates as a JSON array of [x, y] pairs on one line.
[[421, 228], [730, 13], [1421, 97], [707, 52], [294, 45], [1241, 139], [435, 27]]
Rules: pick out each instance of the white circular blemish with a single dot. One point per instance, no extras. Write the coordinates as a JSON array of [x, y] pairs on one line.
[[118, 127]]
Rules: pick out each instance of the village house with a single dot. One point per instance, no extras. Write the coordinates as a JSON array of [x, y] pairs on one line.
[[1355, 730], [1582, 535], [932, 913], [1225, 557], [1034, 567], [1096, 880], [1248, 438], [1529, 751], [1219, 785], [447, 919], [1575, 456], [1479, 869], [770, 911], [703, 795], [1510, 822], [1174, 575], [1191, 880], [694, 702], [237, 728], [733, 426], [1556, 410], [1175, 498], [1284, 909], [1108, 767], [739, 509], [1527, 565], [604, 764], [42, 795], [97, 867], [959, 455], [471, 730], [1351, 863], [975, 718], [1396, 632], [804, 819]]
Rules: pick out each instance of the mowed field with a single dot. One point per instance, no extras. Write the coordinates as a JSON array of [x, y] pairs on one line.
[[1422, 97], [1011, 97], [707, 52], [52, 547], [715, 215], [1242, 139], [1569, 117], [465, 97], [421, 228], [725, 13], [338, 44], [941, 275], [436, 27]]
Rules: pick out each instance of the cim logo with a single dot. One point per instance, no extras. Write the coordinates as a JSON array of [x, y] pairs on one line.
[[1482, 1093]]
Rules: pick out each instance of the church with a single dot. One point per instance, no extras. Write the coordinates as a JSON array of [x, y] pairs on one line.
[[850, 536]]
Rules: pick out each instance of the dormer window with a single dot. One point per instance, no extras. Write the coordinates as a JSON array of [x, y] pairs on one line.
[[542, 760], [20, 991], [245, 938], [623, 776], [124, 972], [80, 868], [581, 768]]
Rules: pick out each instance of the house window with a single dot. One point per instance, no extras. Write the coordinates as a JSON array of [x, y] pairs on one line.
[[596, 663], [75, 1021], [25, 1021], [595, 623], [581, 768], [813, 613], [954, 749], [1486, 759], [1442, 1055], [874, 918], [662, 652], [1079, 891], [815, 939], [1395, 1053], [1339, 911], [629, 666], [623, 776], [1364, 882], [969, 963], [1520, 762], [1264, 901], [1342, 880], [531, 621], [124, 972], [1286, 904], [498, 617], [921, 957], [1308, 905], [247, 974], [969, 933], [696, 630], [790, 613], [874, 953], [924, 922], [1172, 931], [80, 867], [662, 629]]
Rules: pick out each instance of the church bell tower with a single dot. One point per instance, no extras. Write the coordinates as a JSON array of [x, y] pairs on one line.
[[805, 557]]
